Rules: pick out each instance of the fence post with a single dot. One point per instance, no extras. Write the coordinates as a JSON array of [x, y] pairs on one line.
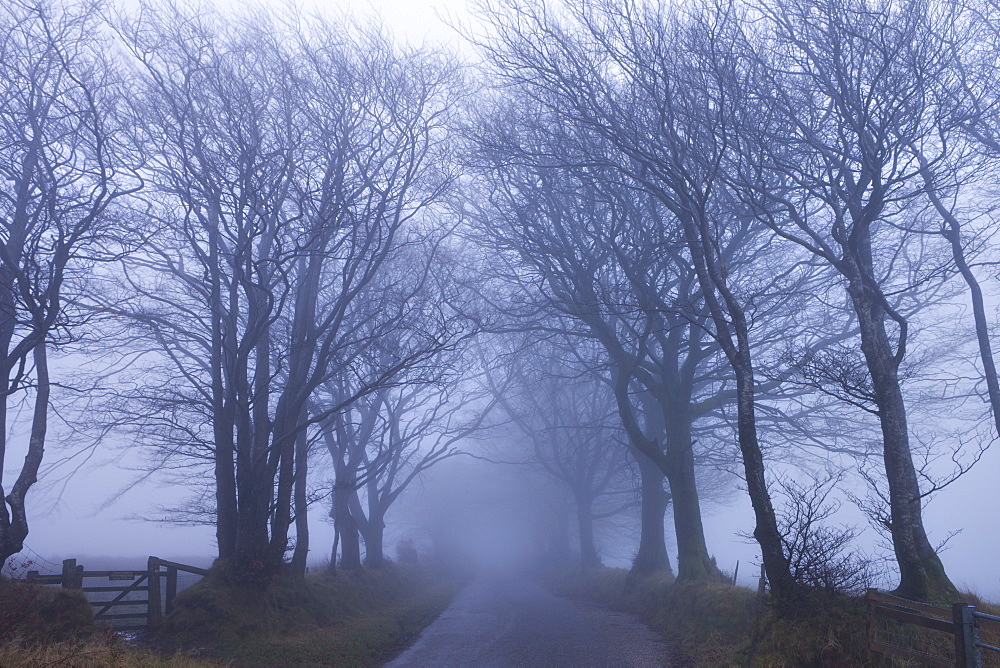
[[153, 581], [69, 574], [967, 653], [171, 588]]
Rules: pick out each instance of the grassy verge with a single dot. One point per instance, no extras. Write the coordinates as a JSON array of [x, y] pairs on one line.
[[721, 625], [351, 619], [360, 618], [48, 626], [366, 639], [92, 652], [709, 625]]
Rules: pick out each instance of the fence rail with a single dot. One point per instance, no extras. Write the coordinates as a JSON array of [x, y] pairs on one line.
[[158, 582], [929, 634], [988, 623]]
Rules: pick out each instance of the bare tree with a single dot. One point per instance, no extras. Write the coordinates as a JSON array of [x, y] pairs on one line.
[[555, 225], [630, 75], [841, 97], [822, 556], [958, 161], [286, 163], [61, 167], [347, 435], [220, 133], [407, 333], [421, 425]]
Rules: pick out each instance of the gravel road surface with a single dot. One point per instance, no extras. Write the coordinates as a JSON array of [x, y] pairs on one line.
[[503, 620]]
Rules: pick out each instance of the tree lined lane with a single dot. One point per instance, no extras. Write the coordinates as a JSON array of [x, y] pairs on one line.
[[508, 621]]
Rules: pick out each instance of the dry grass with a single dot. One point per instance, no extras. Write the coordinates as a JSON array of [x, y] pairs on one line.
[[110, 652], [352, 619], [721, 625], [357, 618]]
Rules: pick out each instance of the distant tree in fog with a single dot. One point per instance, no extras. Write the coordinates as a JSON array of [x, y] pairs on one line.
[[421, 425], [405, 376], [62, 176], [615, 260], [567, 413], [960, 163], [626, 75]]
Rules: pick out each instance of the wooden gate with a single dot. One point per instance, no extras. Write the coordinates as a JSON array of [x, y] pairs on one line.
[[932, 635], [125, 600]]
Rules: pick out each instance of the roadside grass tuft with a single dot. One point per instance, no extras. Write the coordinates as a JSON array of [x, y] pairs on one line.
[[822, 630]]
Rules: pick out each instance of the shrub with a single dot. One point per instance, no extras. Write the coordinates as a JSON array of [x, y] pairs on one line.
[[406, 551], [38, 612], [821, 557]]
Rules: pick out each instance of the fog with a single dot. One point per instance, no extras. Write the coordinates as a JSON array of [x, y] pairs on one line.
[[474, 511], [420, 290]]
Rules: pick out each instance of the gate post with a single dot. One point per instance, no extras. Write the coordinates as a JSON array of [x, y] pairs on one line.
[[69, 574], [171, 588], [967, 653], [153, 582]]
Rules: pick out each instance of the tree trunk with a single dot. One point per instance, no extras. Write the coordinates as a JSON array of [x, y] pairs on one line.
[[7, 324], [558, 550], [371, 527], [300, 556], [652, 555], [347, 528], [954, 236], [374, 546], [15, 530], [253, 561], [693, 561], [922, 575], [733, 335], [223, 417], [290, 414], [331, 568], [776, 565]]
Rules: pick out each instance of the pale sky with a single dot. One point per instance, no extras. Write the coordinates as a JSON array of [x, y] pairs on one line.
[[411, 20]]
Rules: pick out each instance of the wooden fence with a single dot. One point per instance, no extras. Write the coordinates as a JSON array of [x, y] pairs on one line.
[[124, 612], [931, 635]]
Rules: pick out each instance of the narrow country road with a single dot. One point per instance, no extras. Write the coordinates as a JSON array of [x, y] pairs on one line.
[[503, 620]]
